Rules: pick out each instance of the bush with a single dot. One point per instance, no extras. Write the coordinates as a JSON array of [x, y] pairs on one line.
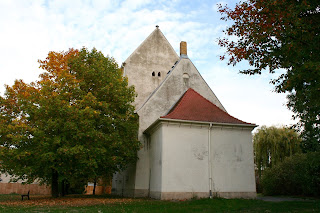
[[296, 175]]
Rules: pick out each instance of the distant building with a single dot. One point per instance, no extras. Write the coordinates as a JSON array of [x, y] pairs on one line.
[[191, 146]]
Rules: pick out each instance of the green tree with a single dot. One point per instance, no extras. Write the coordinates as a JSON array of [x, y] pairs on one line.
[[281, 34], [296, 175], [76, 123], [272, 145]]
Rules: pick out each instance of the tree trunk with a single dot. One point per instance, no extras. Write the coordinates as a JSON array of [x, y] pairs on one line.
[[54, 184], [63, 188], [94, 187]]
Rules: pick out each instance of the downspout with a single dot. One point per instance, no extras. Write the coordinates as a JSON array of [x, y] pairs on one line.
[[209, 160]]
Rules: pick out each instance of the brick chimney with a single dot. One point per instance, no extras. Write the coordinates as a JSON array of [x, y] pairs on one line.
[[183, 48]]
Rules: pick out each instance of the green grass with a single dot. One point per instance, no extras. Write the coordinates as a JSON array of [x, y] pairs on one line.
[[9, 197], [146, 205]]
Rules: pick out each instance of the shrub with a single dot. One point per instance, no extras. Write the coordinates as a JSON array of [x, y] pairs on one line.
[[296, 175], [271, 146]]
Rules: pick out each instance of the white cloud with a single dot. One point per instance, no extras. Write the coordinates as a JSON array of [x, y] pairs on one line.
[[30, 29], [134, 4], [248, 98]]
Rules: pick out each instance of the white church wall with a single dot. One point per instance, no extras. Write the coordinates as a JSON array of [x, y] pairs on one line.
[[148, 65], [232, 162], [185, 161], [159, 104], [142, 170], [154, 55], [155, 147], [183, 171]]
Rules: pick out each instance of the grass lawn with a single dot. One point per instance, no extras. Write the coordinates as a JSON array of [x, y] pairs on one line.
[[13, 203]]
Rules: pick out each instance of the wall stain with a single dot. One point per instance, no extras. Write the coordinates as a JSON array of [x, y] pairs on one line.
[[200, 152]]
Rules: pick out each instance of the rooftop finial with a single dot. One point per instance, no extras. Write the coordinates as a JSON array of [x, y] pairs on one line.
[[157, 26]]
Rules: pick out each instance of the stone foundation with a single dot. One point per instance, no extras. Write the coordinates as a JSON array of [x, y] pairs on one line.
[[183, 195], [141, 193], [230, 195], [155, 195], [190, 195]]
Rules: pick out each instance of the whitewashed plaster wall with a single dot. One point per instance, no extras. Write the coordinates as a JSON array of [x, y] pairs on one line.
[[156, 152], [232, 162], [184, 161], [158, 104], [154, 55], [182, 169]]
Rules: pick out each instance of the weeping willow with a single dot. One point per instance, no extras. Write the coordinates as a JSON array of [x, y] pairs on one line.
[[272, 145]]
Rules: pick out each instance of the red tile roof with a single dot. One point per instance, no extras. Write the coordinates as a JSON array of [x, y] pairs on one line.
[[193, 107]]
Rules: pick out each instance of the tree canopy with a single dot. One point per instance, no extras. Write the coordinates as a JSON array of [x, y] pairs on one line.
[[76, 123], [281, 34], [296, 175], [272, 145]]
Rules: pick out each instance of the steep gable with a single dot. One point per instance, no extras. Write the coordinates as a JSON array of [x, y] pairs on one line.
[[148, 65], [179, 79], [194, 107], [181, 76]]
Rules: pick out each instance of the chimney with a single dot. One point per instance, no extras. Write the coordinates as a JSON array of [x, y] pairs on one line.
[[183, 49]]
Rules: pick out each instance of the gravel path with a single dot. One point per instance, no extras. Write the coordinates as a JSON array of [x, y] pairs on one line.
[[280, 199]]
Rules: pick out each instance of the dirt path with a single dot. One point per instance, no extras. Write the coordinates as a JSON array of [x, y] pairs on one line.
[[280, 199]]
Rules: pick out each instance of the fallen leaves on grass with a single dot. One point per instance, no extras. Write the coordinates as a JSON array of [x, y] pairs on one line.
[[67, 201]]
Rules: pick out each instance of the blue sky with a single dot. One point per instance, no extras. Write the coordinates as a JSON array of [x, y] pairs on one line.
[[31, 28]]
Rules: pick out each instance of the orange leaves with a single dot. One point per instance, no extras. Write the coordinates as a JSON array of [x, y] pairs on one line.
[[67, 118], [57, 66], [57, 61], [280, 34], [42, 200], [259, 24]]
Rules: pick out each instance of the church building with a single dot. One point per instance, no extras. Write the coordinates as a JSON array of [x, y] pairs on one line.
[[191, 146]]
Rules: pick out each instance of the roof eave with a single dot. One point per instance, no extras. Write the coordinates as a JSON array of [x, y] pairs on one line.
[[198, 122]]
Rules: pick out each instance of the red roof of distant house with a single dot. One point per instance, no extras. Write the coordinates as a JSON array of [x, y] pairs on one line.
[[192, 106]]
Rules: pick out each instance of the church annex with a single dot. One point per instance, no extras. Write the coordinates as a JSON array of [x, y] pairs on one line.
[[191, 146]]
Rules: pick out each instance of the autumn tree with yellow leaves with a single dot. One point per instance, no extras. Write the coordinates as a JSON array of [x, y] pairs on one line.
[[75, 124]]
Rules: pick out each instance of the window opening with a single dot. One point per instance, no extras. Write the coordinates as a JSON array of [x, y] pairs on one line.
[[185, 77]]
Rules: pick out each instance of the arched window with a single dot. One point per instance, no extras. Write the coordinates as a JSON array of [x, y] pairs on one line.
[[159, 74], [153, 74], [185, 77]]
